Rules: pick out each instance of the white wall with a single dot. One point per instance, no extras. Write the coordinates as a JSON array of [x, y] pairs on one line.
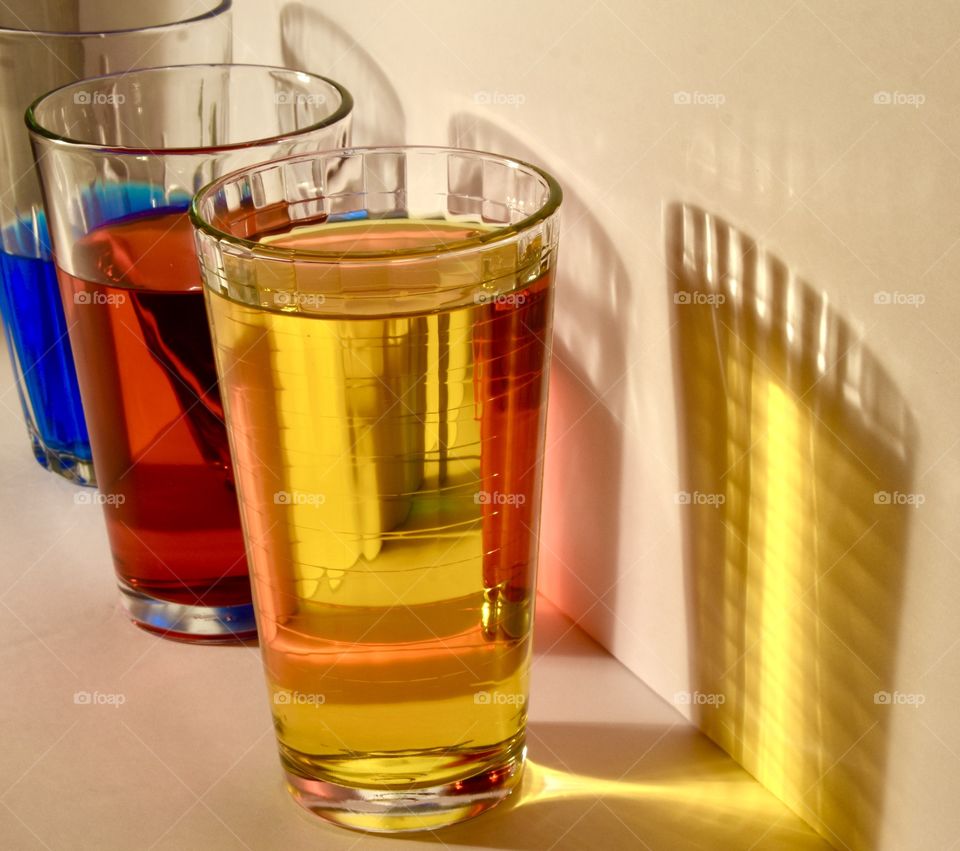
[[783, 139]]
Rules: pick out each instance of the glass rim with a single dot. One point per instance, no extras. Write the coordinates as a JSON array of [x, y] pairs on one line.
[[218, 9], [481, 240], [35, 127]]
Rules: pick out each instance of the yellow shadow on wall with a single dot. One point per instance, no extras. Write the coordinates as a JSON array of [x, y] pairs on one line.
[[622, 786], [796, 463]]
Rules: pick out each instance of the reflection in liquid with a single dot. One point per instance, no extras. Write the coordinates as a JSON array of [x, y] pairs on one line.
[[793, 439]]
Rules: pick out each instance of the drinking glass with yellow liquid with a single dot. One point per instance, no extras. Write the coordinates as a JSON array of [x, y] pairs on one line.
[[381, 321]]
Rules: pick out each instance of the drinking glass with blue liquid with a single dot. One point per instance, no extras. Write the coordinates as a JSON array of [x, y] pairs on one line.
[[46, 44]]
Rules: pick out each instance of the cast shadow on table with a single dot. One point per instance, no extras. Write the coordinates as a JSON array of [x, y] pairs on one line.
[[796, 470], [310, 41], [583, 470], [621, 786]]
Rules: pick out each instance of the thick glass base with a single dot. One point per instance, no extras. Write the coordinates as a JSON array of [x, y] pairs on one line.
[[404, 810], [73, 469], [195, 624]]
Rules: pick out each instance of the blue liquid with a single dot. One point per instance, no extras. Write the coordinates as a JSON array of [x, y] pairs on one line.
[[36, 333], [36, 329]]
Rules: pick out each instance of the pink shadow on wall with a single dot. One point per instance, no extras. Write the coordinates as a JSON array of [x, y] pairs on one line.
[[584, 475]]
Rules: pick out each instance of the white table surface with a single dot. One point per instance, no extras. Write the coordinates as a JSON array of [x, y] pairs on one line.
[[187, 760]]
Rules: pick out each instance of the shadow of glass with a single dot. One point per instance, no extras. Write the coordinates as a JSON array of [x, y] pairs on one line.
[[310, 41], [583, 473], [623, 786], [797, 461]]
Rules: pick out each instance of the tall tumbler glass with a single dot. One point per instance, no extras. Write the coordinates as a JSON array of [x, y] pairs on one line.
[[120, 157], [381, 320], [44, 44]]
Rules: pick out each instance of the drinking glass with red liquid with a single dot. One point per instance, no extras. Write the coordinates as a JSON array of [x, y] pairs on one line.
[[120, 157]]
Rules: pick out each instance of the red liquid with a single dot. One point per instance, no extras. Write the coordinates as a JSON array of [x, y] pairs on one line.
[[139, 334], [511, 349]]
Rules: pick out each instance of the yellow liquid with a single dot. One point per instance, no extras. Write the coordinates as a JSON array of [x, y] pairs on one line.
[[388, 471]]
